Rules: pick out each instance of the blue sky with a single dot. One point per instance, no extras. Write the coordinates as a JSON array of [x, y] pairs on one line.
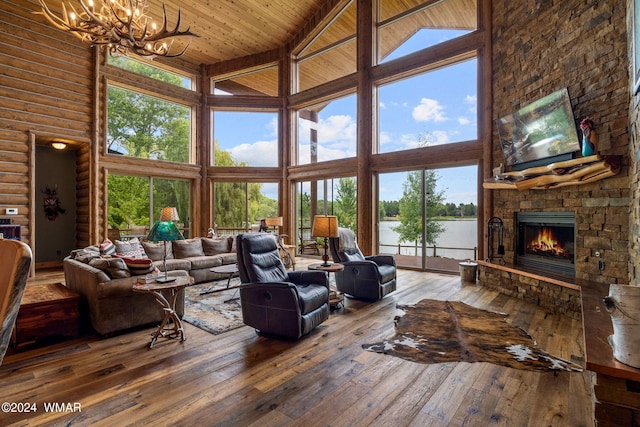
[[439, 106]]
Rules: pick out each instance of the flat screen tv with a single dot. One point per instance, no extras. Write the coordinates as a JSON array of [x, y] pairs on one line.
[[539, 133]]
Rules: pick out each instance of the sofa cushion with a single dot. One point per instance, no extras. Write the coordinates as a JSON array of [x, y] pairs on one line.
[[140, 266], [114, 267], [229, 258], [130, 249], [107, 247], [154, 250], [187, 248], [174, 264], [216, 246], [205, 262]]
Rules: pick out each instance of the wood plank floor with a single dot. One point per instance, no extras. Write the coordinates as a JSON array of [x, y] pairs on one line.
[[241, 379]]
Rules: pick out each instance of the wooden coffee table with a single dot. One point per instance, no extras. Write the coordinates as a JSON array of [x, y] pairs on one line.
[[166, 330], [46, 310]]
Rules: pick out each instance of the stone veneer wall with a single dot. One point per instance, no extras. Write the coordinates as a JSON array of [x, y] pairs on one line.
[[540, 46], [634, 170]]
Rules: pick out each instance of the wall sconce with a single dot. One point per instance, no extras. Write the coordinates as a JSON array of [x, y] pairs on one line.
[[59, 145]]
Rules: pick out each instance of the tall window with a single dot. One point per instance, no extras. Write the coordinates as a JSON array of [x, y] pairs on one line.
[[327, 131], [332, 54], [239, 206], [147, 127], [136, 201], [408, 26], [334, 196], [245, 138], [428, 217], [433, 108]]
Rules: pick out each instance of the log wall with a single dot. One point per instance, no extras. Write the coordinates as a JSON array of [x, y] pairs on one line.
[[530, 61], [45, 92]]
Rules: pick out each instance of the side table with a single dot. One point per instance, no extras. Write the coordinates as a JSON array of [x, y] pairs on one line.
[[336, 299], [46, 310], [168, 305]]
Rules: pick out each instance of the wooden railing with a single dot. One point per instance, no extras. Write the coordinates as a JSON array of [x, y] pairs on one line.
[[433, 251]]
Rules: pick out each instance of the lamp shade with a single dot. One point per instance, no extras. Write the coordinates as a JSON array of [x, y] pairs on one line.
[[164, 231], [324, 226], [274, 221], [169, 214]]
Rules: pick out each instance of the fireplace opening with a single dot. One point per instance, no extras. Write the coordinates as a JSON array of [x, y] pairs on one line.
[[546, 241]]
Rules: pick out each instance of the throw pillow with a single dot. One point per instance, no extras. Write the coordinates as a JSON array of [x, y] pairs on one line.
[[215, 246], [139, 266], [154, 250], [130, 249], [187, 248], [114, 267], [107, 248]]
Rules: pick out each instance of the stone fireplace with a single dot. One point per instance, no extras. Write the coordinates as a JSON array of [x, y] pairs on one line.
[[546, 241]]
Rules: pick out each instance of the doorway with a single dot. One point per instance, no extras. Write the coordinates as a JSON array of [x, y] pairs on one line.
[[55, 205]]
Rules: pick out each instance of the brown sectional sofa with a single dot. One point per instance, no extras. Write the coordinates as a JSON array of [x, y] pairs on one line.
[[105, 286]]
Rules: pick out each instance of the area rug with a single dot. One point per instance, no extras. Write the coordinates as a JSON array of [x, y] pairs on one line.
[[216, 312], [448, 331]]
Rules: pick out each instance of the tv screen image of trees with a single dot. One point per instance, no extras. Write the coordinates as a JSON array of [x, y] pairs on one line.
[[542, 129]]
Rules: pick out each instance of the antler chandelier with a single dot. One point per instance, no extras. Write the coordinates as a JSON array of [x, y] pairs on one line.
[[121, 25]]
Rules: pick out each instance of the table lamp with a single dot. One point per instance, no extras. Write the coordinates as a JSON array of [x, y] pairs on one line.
[[274, 221], [325, 226], [165, 230]]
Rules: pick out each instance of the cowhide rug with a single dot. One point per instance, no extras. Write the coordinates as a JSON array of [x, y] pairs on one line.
[[448, 331]]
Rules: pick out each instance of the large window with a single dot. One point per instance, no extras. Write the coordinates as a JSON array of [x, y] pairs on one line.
[[334, 196], [428, 218], [260, 82], [408, 26], [332, 54], [147, 127], [327, 131], [146, 69], [433, 108], [245, 138], [239, 206], [135, 202]]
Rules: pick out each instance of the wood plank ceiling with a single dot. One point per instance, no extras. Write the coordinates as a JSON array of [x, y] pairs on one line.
[[230, 29]]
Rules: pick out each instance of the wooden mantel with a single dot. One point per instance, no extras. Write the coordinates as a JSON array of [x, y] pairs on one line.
[[582, 170]]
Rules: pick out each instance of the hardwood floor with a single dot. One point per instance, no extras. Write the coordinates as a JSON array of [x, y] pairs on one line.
[[326, 379]]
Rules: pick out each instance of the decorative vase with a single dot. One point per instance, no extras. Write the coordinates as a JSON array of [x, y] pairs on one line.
[[623, 305]]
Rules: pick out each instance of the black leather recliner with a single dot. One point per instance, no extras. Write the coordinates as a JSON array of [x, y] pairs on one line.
[[274, 301], [369, 278]]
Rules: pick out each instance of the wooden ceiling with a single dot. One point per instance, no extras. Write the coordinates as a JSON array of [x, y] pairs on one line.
[[229, 29]]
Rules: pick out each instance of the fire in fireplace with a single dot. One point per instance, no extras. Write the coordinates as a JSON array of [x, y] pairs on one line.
[[546, 241]]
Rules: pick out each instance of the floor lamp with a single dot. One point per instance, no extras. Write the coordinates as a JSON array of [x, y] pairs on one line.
[[325, 226], [162, 231]]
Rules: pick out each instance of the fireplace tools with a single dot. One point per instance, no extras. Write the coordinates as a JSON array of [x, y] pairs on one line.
[[494, 236]]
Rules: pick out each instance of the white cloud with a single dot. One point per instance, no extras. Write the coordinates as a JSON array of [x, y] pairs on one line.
[[463, 121], [382, 105], [438, 137], [385, 138], [337, 128], [471, 99], [429, 110], [259, 153]]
